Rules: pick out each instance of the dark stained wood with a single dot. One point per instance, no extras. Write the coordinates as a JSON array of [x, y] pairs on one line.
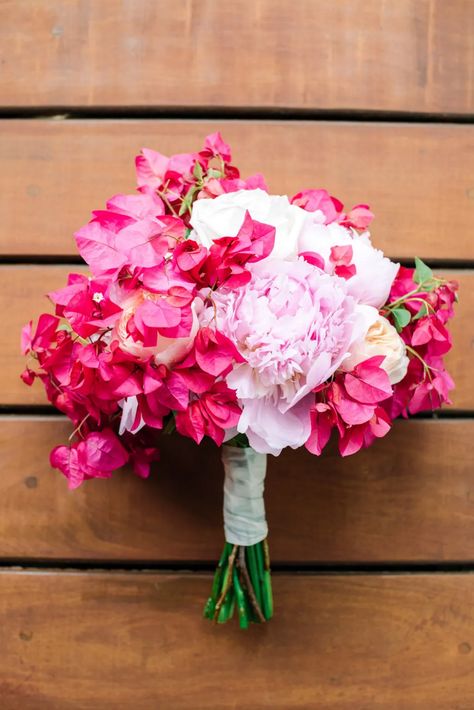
[[406, 499], [22, 298], [94, 640], [417, 178], [409, 55]]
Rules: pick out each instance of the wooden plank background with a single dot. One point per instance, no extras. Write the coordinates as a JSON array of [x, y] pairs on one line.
[[337, 642], [373, 508], [409, 55], [370, 99]]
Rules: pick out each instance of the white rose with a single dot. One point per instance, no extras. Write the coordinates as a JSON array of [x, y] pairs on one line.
[[381, 339], [223, 217], [375, 273]]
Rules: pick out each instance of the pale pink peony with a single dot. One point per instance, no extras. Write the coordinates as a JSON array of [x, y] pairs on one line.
[[294, 325], [374, 273]]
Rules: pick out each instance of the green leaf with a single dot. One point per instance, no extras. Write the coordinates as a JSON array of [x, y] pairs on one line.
[[423, 272], [401, 318], [213, 173], [184, 208], [187, 201], [197, 172], [422, 312]]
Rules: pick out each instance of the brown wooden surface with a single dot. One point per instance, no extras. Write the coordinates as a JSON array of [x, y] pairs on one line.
[[409, 55], [376, 506], [120, 640], [100, 641], [22, 298], [417, 178]]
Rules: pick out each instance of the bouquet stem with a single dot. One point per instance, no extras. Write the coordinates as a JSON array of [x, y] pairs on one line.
[[242, 581]]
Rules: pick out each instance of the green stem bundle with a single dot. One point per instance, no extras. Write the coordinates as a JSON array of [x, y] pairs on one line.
[[242, 582]]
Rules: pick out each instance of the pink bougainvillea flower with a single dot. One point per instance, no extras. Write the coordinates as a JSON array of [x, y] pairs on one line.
[[154, 170], [322, 419], [43, 336], [363, 435], [359, 217], [214, 352], [351, 404], [85, 304], [368, 383], [341, 258], [189, 255], [97, 456], [214, 145], [319, 201], [431, 331], [145, 204], [210, 414], [213, 187]]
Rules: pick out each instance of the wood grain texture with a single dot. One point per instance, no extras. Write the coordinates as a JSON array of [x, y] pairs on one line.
[[22, 298], [417, 178], [410, 55], [373, 507], [93, 640]]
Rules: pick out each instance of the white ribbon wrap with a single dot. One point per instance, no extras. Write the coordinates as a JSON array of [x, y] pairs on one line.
[[244, 509]]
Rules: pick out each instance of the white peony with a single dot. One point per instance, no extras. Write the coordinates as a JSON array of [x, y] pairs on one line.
[[375, 273], [224, 215]]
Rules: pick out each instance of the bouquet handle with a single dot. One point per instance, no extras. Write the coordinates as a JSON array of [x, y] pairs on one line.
[[243, 579]]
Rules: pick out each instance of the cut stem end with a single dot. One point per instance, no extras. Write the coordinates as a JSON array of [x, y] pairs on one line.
[[242, 581]]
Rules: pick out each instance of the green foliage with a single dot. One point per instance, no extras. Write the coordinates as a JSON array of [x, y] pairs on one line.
[[401, 318], [198, 172], [423, 273], [422, 312], [213, 173]]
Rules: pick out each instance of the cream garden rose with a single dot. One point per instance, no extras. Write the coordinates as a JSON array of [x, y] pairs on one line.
[[381, 339], [166, 351]]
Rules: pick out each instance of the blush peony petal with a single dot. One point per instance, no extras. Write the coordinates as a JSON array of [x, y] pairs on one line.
[[269, 431]]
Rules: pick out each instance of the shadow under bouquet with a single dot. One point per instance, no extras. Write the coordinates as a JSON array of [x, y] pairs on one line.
[[223, 311]]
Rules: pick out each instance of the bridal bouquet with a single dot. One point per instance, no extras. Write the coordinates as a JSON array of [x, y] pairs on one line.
[[223, 311]]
